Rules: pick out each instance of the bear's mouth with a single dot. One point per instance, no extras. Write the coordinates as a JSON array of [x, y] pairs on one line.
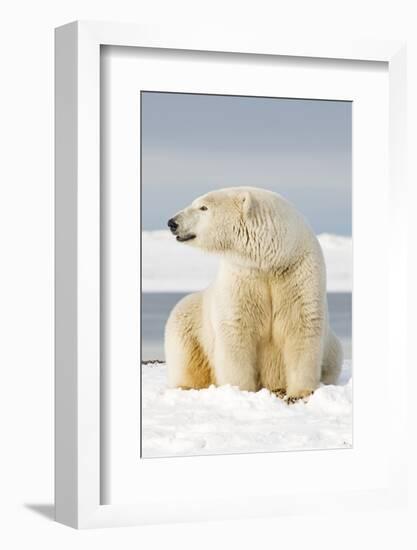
[[183, 239]]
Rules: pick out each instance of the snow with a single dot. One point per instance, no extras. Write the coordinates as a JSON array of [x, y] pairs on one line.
[[220, 420], [169, 266]]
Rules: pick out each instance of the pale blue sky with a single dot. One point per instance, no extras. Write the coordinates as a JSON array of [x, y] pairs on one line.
[[192, 144]]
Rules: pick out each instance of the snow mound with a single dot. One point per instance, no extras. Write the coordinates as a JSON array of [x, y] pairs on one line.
[[168, 266], [220, 420], [337, 252]]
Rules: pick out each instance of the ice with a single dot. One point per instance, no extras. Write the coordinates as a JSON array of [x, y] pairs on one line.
[[169, 266]]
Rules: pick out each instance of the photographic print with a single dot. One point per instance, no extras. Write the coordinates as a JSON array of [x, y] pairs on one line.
[[246, 274]]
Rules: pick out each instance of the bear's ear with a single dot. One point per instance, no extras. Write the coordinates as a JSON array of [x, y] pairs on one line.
[[246, 201]]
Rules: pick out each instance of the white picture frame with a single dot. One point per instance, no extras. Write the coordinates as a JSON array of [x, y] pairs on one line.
[[78, 407]]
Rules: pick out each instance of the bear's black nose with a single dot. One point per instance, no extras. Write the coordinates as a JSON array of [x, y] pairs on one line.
[[172, 224]]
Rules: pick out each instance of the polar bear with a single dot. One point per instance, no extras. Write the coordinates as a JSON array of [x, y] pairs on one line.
[[263, 322]]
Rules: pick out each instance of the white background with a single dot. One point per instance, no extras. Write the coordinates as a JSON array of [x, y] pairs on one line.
[[26, 292]]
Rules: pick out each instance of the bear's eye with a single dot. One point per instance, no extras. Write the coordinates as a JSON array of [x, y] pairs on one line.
[[203, 208]]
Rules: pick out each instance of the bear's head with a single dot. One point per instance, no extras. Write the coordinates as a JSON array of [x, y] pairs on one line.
[[249, 225]]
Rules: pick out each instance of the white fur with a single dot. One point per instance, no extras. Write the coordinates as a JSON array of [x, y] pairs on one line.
[[263, 322]]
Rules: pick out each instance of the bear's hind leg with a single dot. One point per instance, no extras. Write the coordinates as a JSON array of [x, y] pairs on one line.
[[187, 364], [332, 359]]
